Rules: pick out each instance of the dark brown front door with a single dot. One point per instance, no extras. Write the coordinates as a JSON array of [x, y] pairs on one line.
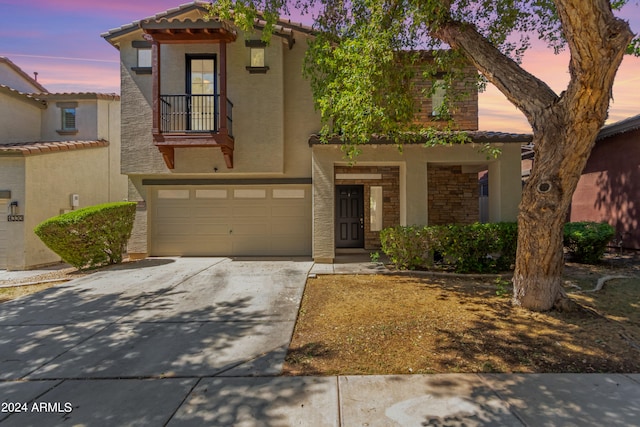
[[349, 216]]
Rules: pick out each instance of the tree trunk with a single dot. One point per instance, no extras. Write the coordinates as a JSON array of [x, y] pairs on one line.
[[537, 281]]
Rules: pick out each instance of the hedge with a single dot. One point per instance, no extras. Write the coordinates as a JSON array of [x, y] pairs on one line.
[[481, 248], [586, 241], [477, 248], [92, 236]]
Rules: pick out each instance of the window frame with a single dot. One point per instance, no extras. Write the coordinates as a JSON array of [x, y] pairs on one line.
[[142, 45], [65, 124]]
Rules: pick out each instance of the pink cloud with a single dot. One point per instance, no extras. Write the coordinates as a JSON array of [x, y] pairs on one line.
[[132, 10]]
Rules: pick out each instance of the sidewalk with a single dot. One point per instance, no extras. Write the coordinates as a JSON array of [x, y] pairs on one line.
[[231, 396], [410, 400]]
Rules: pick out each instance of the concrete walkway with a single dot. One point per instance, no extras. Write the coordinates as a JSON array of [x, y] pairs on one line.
[[200, 341]]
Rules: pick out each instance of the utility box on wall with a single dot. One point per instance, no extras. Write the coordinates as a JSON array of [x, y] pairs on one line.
[[75, 200]]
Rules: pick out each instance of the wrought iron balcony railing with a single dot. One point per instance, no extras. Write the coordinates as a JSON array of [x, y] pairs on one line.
[[193, 113]]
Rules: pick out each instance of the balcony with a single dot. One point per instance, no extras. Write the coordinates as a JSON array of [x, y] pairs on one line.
[[193, 115], [182, 121], [194, 121]]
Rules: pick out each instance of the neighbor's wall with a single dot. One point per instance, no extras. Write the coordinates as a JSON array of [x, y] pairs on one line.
[[86, 119], [9, 77], [609, 188], [108, 115], [12, 177], [20, 118], [84, 172]]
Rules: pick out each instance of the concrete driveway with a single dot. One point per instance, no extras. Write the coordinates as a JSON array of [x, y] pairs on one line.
[[162, 323]]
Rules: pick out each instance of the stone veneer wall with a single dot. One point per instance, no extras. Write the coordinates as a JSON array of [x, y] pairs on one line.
[[452, 195], [390, 183]]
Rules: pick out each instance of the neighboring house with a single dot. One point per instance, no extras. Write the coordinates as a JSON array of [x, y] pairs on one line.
[[609, 188], [218, 145], [52, 146]]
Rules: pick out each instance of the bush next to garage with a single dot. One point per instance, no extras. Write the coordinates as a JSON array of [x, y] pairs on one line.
[[586, 241], [473, 248], [92, 236]]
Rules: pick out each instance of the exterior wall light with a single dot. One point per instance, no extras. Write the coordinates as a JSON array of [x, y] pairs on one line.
[[257, 50]]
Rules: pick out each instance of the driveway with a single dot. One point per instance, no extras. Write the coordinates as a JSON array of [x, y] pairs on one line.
[[162, 318]]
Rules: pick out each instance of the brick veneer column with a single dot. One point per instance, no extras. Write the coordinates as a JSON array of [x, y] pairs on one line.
[[453, 195]]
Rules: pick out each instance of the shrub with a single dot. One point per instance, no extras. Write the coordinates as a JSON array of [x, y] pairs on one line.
[[587, 241], [406, 246], [92, 236], [474, 248], [478, 248]]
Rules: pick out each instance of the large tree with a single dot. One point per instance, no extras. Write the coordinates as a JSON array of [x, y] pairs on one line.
[[359, 83]]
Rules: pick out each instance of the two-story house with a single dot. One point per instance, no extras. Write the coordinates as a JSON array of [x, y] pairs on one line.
[[218, 145], [58, 152]]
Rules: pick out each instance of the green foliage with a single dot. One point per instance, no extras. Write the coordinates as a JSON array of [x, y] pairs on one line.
[[587, 241], [407, 246], [479, 248], [474, 248], [502, 287], [92, 236]]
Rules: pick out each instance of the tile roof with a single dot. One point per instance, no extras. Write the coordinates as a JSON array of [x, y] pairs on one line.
[[77, 95], [626, 125], [24, 75], [43, 147], [283, 26], [475, 136], [25, 96]]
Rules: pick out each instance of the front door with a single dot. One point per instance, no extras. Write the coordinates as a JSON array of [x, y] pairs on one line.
[[349, 216]]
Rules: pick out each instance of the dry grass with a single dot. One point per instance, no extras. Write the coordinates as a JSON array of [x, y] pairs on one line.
[[14, 292], [393, 324]]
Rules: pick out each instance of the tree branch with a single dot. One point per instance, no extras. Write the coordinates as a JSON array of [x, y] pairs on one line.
[[597, 40], [528, 93]]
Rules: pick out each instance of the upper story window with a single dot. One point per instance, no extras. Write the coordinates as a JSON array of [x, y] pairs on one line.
[[438, 106], [68, 118], [68, 125], [143, 52]]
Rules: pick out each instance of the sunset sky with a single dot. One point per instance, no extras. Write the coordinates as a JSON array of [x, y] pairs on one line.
[[60, 39]]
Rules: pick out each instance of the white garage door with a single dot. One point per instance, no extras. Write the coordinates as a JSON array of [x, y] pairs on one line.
[[231, 221]]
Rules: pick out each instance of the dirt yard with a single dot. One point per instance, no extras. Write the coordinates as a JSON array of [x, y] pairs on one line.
[[402, 324]]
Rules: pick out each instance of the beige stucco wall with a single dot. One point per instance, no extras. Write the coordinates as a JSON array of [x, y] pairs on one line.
[[20, 119], [51, 179], [273, 116], [86, 120], [9, 77], [505, 188], [12, 177], [267, 141]]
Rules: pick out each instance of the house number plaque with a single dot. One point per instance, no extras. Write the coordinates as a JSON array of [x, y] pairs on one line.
[[15, 218]]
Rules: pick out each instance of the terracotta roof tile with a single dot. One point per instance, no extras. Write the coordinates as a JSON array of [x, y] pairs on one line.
[[24, 96], [476, 136], [42, 147], [283, 26]]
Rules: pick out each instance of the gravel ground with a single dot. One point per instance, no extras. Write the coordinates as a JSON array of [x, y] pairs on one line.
[[60, 272]]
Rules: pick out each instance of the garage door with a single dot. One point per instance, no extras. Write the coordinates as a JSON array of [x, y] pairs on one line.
[[231, 221]]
